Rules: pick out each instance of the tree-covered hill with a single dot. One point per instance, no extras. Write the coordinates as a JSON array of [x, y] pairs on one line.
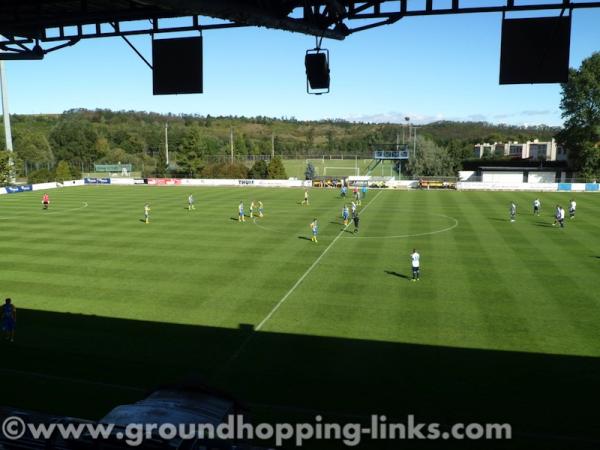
[[83, 137]]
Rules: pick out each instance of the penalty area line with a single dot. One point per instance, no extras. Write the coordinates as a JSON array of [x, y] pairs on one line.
[[290, 292]]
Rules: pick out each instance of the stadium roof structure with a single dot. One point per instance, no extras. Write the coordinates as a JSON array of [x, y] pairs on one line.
[[31, 28]]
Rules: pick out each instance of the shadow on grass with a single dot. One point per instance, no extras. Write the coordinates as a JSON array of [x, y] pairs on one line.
[[396, 274], [83, 366], [305, 238], [544, 224], [497, 219]]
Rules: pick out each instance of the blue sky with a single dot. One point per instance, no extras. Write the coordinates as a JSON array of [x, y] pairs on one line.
[[428, 68]]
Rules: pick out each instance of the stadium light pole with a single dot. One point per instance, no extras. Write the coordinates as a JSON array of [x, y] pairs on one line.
[[231, 142], [272, 145], [6, 114], [167, 143], [415, 142]]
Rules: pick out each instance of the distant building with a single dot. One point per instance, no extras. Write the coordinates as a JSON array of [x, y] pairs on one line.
[[535, 150]]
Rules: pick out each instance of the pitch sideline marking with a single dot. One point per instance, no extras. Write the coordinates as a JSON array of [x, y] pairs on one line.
[[292, 289]]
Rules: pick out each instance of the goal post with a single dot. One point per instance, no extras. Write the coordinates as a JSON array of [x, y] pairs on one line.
[[333, 171]]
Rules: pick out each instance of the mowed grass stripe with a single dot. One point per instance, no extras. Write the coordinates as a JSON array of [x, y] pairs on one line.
[[355, 292], [562, 305], [239, 253], [539, 297], [229, 273], [488, 290], [190, 279], [339, 281]]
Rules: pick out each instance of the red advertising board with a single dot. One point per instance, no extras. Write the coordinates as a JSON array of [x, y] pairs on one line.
[[164, 181]]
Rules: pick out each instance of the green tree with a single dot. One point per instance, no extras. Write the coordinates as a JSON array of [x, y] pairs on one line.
[[102, 149], [190, 163], [74, 139], [430, 160], [225, 170], [259, 171], [6, 168], [275, 169], [309, 173], [310, 137], [62, 172], [39, 176], [191, 140], [580, 104], [239, 145], [33, 147], [161, 165], [330, 140]]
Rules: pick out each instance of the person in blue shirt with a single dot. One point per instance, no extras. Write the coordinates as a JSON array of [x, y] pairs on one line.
[[345, 214], [241, 216], [364, 191], [314, 226], [9, 320]]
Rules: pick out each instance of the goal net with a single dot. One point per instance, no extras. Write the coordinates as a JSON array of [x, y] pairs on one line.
[[335, 171]]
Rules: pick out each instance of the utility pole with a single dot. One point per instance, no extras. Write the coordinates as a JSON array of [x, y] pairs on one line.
[[231, 142], [6, 114], [167, 143], [272, 145], [415, 142]]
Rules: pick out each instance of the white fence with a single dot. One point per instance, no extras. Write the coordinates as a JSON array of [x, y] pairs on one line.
[[539, 187], [293, 183]]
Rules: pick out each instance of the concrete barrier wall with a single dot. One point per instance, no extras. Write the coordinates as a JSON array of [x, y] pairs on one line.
[[394, 184], [489, 186]]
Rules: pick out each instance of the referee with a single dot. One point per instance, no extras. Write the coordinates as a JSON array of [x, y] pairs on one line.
[[356, 220]]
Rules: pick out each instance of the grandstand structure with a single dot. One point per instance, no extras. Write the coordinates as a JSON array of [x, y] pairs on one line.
[[394, 156], [31, 29]]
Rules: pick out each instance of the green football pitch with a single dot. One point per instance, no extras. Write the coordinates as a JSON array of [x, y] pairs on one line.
[[503, 325]]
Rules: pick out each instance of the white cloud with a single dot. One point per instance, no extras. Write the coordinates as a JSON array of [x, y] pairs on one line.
[[516, 118], [394, 117]]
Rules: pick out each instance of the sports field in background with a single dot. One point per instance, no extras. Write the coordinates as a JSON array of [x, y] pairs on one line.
[[336, 167], [503, 326]]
